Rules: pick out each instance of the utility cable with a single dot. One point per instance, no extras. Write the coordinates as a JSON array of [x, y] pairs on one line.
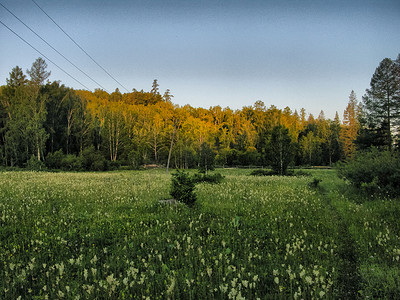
[[79, 46], [44, 56], [54, 48]]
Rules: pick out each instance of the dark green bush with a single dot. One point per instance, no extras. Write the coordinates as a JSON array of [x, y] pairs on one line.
[[261, 172], [182, 188], [93, 160], [314, 183], [34, 164], [373, 172], [53, 160], [209, 178], [71, 162]]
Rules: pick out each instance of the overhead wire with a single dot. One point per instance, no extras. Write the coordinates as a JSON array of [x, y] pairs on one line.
[[53, 48], [79, 46], [44, 55]]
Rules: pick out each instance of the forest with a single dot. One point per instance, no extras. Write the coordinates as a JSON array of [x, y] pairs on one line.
[[45, 124]]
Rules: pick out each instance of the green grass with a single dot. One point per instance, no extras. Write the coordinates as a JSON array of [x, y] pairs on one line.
[[105, 236]]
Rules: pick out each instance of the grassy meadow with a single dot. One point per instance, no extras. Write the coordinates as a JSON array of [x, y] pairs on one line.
[[106, 236]]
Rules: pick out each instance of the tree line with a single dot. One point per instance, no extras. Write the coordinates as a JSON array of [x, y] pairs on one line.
[[45, 123]]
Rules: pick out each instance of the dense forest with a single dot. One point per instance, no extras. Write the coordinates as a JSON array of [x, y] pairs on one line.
[[46, 124]]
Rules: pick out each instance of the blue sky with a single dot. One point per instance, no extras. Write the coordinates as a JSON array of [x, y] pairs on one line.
[[232, 53]]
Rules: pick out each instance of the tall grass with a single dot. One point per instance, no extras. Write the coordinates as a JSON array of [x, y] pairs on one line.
[[105, 235]]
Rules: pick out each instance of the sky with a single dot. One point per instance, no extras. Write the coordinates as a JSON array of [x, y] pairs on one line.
[[301, 54]]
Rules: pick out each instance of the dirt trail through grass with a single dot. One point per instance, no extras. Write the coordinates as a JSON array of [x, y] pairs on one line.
[[349, 279]]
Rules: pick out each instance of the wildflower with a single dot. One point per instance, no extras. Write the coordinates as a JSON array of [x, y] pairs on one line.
[[85, 274], [223, 288], [125, 281], [309, 280], [171, 287]]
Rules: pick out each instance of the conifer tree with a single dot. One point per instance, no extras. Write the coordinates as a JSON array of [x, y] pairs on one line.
[[382, 100]]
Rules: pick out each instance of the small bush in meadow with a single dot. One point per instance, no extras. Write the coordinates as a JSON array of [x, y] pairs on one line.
[[261, 172], [182, 188], [314, 183], [208, 178], [373, 172]]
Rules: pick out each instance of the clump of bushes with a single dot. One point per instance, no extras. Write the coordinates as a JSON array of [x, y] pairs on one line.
[[373, 172], [33, 164], [182, 188], [89, 160], [208, 178]]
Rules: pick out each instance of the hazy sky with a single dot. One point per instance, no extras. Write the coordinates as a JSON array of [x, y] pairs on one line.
[[232, 53]]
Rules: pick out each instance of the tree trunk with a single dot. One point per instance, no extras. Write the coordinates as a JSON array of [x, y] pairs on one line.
[[170, 148]]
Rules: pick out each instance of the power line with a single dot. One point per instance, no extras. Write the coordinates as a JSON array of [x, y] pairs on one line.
[[54, 48], [44, 56], [79, 46]]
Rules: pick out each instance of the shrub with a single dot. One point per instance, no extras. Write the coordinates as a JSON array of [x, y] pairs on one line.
[[260, 172], [34, 164], [71, 162], [314, 183], [209, 178], [93, 160], [373, 172], [182, 188], [53, 160]]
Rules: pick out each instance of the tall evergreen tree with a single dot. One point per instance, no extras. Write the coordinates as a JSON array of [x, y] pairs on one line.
[[38, 72], [382, 100], [17, 78]]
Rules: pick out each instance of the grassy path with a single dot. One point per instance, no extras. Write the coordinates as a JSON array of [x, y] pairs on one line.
[[349, 280]]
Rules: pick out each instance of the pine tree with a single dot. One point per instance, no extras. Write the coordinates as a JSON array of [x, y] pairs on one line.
[[17, 78], [382, 100], [38, 72]]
